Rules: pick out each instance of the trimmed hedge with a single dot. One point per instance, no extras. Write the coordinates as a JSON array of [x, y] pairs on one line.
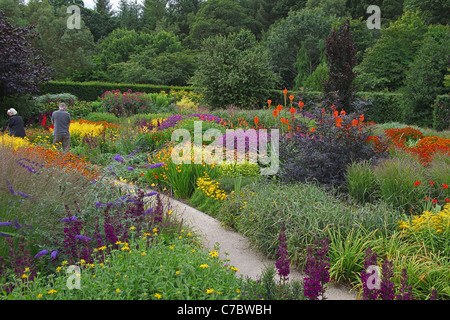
[[91, 91], [385, 107], [441, 113]]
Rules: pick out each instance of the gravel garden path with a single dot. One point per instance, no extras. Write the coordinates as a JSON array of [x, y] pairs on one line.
[[241, 255]]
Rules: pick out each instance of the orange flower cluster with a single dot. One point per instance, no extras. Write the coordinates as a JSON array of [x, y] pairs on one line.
[[425, 148], [67, 161]]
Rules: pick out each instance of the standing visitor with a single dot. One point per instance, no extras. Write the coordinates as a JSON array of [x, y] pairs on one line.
[[61, 123], [15, 124]]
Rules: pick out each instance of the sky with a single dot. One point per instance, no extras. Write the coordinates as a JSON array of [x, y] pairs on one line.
[[91, 4]]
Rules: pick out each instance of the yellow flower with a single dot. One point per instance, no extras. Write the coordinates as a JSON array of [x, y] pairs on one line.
[[52, 291], [132, 228], [24, 276], [178, 272], [58, 269], [209, 291], [158, 296], [204, 266], [39, 296], [118, 290], [143, 253], [214, 253]]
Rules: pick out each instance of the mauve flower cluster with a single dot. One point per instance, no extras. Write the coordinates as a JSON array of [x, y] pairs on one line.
[[283, 261], [316, 270]]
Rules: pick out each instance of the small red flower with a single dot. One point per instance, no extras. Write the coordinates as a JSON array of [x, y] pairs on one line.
[[434, 201], [417, 183], [445, 186], [432, 183]]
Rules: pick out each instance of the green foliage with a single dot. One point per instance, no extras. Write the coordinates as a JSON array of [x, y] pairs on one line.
[[441, 113], [219, 17], [424, 79], [234, 70], [285, 38], [391, 55], [361, 182], [432, 11], [384, 106], [317, 78]]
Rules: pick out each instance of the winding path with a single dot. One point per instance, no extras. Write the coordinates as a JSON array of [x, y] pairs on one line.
[[240, 254]]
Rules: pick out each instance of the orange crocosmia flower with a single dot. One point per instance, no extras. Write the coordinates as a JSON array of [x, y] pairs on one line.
[[275, 113], [354, 122], [279, 107], [282, 120], [361, 118], [292, 110], [269, 102], [285, 92], [291, 97], [335, 114], [313, 129], [256, 120], [342, 112], [301, 104]]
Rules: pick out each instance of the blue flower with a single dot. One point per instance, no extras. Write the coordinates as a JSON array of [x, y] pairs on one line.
[[148, 211], [20, 193], [80, 237], [156, 165], [118, 158], [98, 204], [151, 194], [7, 224], [130, 168], [69, 219], [41, 253], [53, 254]]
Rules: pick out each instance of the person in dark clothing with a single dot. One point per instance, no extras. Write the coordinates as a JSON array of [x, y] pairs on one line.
[[15, 124]]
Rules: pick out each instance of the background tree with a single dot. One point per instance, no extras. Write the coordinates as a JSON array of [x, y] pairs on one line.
[[284, 40], [153, 11], [431, 11], [390, 56], [218, 17], [425, 78], [234, 70], [180, 13], [341, 56], [103, 6], [129, 14]]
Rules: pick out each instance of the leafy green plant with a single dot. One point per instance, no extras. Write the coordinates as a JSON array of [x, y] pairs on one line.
[[362, 182]]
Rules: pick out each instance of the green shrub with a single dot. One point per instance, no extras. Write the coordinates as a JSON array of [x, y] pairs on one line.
[[102, 116], [234, 70]]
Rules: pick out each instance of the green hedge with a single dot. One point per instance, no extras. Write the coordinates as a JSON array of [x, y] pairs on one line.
[[441, 113], [385, 107], [90, 91]]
